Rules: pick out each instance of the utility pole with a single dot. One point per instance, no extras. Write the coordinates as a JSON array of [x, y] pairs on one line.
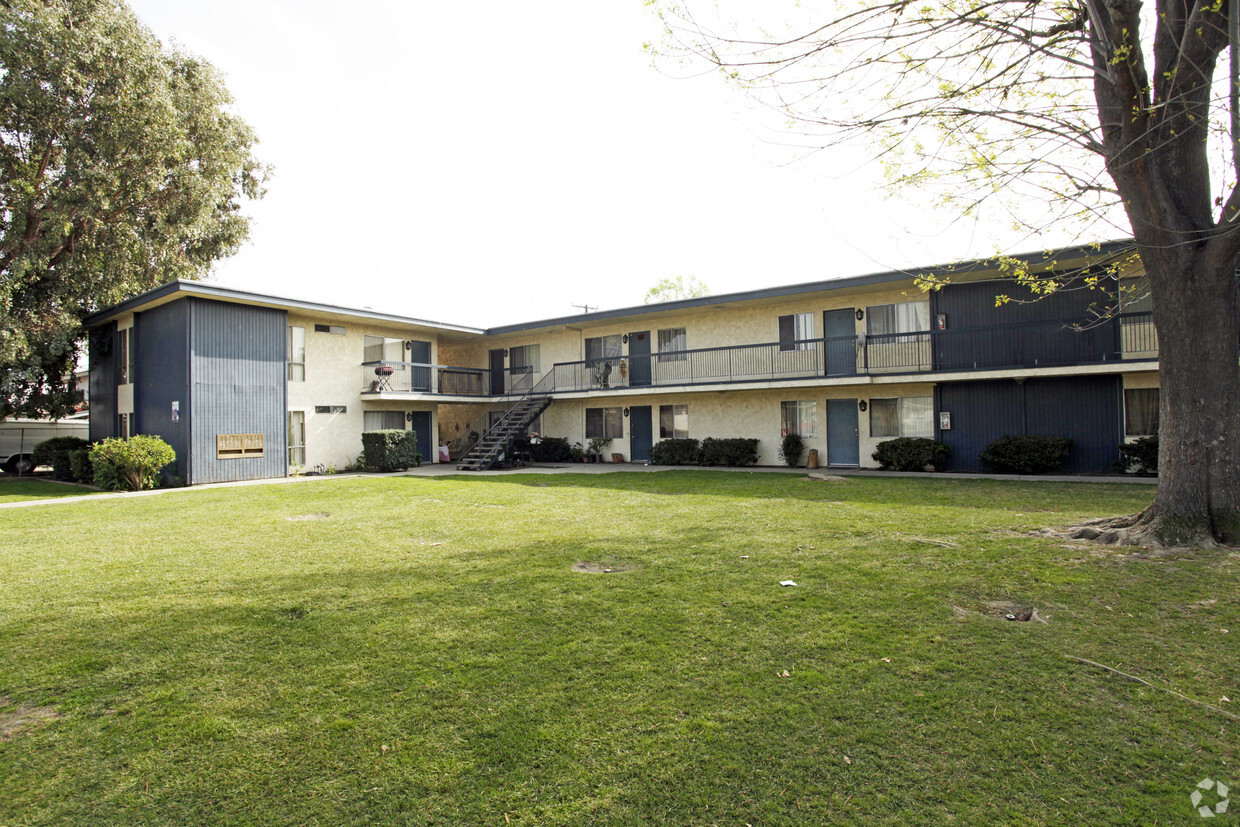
[[586, 308]]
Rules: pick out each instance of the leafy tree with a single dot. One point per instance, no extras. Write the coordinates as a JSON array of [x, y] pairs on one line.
[[671, 289], [122, 167], [1097, 110]]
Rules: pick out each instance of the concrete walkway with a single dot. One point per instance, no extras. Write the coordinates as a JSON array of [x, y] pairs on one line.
[[446, 470]]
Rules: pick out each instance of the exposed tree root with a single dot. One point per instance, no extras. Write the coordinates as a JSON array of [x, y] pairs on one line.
[[1143, 529]]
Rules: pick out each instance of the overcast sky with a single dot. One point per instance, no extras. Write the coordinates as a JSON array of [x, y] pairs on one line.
[[496, 162]]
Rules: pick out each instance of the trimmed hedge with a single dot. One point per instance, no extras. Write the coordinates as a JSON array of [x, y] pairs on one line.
[[791, 449], [1035, 454], [676, 452], [1139, 457], [79, 461], [390, 450], [55, 452], [911, 453], [551, 449], [130, 464], [734, 451]]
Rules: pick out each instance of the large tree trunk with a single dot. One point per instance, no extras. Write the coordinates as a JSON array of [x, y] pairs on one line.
[[1197, 314]]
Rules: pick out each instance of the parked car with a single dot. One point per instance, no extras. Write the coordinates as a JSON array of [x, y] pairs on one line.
[[19, 436]]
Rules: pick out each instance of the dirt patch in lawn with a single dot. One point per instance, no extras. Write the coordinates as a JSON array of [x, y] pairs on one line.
[[317, 515], [604, 568], [25, 717]]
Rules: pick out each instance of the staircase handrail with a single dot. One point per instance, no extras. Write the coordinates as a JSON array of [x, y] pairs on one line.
[[544, 386]]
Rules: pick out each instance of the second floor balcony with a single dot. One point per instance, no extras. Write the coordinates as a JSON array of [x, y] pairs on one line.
[[1130, 337]]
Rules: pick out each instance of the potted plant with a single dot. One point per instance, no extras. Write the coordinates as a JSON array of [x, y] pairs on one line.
[[577, 452], [595, 450]]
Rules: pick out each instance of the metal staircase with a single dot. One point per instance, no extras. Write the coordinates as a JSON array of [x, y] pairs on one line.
[[497, 441]]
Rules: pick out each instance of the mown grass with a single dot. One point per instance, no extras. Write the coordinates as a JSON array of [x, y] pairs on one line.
[[16, 489], [420, 651]]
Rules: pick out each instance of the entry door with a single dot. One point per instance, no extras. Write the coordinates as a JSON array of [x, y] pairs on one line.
[[497, 371], [639, 360], [841, 341], [641, 431], [420, 353], [843, 446], [421, 424]]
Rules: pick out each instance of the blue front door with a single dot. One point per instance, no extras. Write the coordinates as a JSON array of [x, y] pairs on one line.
[[843, 447], [840, 332], [639, 360], [421, 424], [641, 432]]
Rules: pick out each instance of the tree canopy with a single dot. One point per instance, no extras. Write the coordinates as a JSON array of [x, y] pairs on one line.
[[678, 287], [1053, 111], [122, 167]]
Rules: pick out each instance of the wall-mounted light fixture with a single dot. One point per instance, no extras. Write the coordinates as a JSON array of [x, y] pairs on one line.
[[862, 405], [408, 345], [408, 416], [625, 338], [860, 314], [626, 411]]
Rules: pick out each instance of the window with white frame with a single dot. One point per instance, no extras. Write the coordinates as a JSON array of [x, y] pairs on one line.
[[673, 341], [673, 422], [604, 423], [331, 409], [383, 420], [523, 359], [603, 347], [1141, 412], [383, 349], [902, 416], [124, 356], [794, 329], [799, 417], [296, 354], [903, 317], [296, 437]]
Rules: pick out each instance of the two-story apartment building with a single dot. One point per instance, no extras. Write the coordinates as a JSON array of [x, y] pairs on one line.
[[247, 386]]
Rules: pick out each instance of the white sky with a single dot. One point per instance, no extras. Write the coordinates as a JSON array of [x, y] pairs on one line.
[[495, 162]]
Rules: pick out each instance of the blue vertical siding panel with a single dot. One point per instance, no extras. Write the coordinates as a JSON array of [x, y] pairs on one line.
[[981, 412], [102, 345], [1083, 408], [161, 377], [237, 371], [979, 332]]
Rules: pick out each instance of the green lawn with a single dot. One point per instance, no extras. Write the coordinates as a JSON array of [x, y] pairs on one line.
[[421, 651], [15, 489]]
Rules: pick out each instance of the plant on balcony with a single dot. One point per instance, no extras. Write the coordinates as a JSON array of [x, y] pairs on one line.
[[910, 453], [1034, 454], [791, 449]]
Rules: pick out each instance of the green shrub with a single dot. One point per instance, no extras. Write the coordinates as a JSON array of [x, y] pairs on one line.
[[55, 452], [1034, 454], [1139, 457], [551, 449], [130, 464], [79, 461], [791, 448], [911, 453], [391, 450], [733, 451], [676, 452]]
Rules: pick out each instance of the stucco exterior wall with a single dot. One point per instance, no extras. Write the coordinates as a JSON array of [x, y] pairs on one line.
[[335, 377], [738, 413]]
